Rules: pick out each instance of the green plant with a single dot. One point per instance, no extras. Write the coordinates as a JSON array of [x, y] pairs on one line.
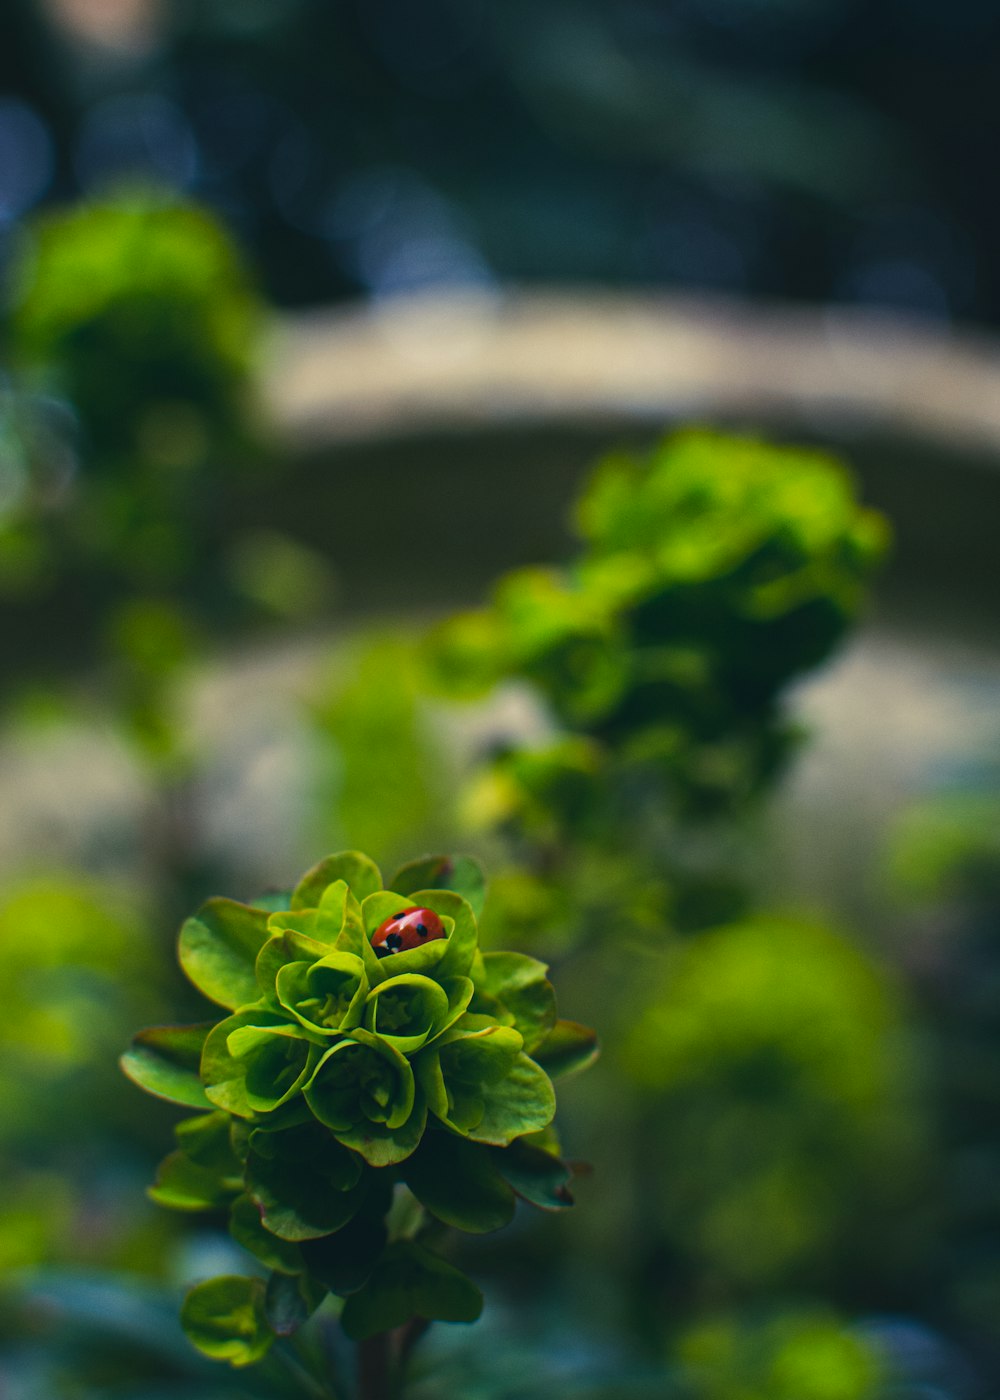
[[360, 1095], [140, 311], [714, 570]]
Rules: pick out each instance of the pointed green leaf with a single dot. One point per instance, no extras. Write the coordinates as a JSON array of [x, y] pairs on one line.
[[410, 1282], [225, 1318], [362, 875], [459, 873], [568, 1047], [218, 949], [164, 1061], [459, 1182]]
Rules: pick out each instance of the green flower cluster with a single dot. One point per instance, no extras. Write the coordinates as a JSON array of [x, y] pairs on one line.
[[343, 1072], [714, 570]]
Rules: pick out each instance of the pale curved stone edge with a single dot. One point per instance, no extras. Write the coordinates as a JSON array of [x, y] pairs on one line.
[[451, 361]]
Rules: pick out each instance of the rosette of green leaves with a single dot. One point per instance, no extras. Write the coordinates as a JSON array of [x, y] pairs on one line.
[[336, 1078]]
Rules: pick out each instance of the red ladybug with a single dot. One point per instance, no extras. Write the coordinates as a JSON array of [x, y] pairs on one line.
[[407, 929]]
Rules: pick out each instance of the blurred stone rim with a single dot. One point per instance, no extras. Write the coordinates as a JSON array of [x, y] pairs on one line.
[[413, 364]]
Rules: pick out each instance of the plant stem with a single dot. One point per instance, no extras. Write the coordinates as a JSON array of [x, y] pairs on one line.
[[407, 1338], [374, 1368]]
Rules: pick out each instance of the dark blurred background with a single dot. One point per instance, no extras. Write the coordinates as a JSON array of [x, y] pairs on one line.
[[831, 150]]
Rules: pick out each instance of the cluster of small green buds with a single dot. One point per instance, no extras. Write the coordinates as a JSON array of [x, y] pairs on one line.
[[369, 1049]]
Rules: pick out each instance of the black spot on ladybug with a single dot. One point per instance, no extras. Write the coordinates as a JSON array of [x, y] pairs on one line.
[[422, 930], [401, 915]]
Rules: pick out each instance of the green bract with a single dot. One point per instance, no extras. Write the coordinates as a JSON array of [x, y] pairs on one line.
[[337, 1076]]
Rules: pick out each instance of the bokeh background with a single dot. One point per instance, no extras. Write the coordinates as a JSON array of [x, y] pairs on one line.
[[316, 314]]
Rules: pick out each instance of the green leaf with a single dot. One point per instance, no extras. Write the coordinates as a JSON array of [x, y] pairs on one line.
[[407, 1011], [362, 875], [409, 1282], [207, 1140], [326, 995], [568, 1047], [536, 1175], [382, 1146], [239, 1082], [343, 1261], [522, 1102], [182, 1184], [226, 1319], [247, 1229], [290, 1300], [522, 987], [279, 1060], [459, 873], [459, 1182], [323, 923], [218, 949], [285, 945], [460, 948], [164, 1061], [456, 1070], [362, 1085], [304, 1182]]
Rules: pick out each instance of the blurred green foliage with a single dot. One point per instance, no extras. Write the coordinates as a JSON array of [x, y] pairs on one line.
[[948, 845], [714, 571], [133, 338], [797, 1355], [79, 965], [775, 1049], [379, 775], [140, 312]]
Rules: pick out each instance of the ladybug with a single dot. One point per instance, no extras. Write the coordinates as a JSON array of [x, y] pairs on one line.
[[407, 929]]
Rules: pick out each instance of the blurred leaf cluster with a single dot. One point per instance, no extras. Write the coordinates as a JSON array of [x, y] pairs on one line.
[[128, 426], [137, 313], [713, 572], [79, 966]]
